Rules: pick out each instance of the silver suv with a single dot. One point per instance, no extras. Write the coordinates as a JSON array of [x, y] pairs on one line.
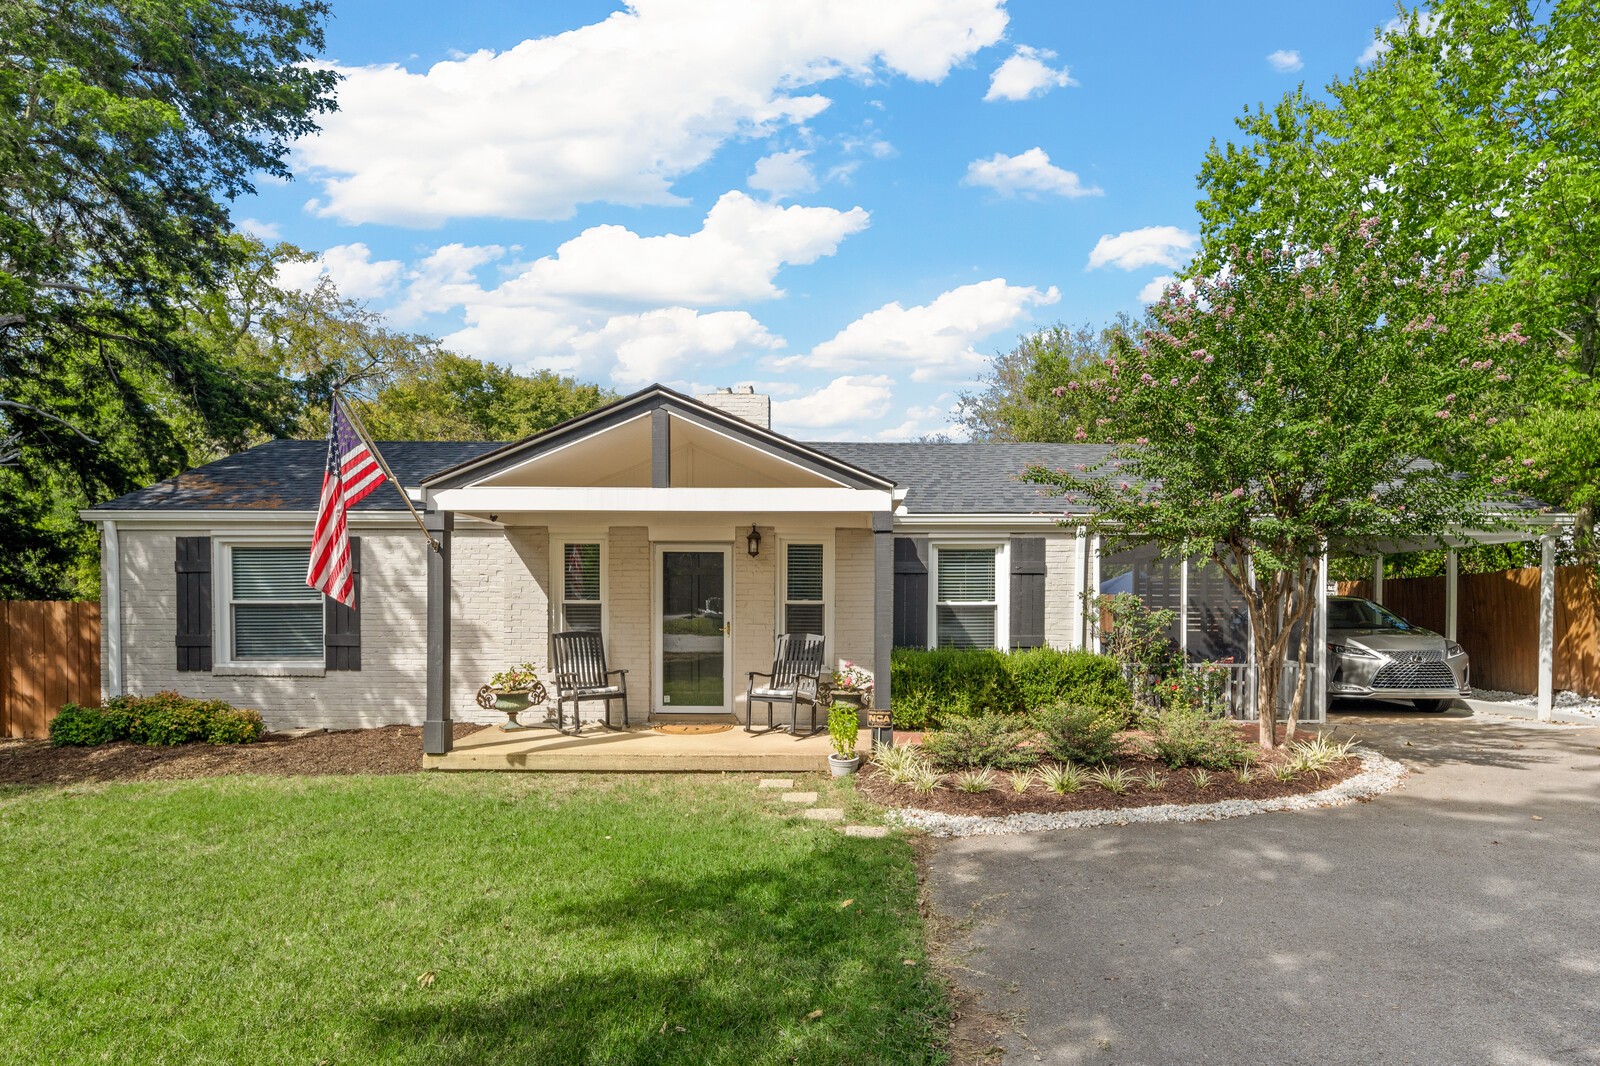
[[1373, 653]]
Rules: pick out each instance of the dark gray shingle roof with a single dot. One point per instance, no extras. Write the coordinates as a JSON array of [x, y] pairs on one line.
[[968, 478], [286, 475]]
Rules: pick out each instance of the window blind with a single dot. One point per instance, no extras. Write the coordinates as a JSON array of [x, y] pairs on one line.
[[803, 610], [966, 574], [276, 615], [583, 572]]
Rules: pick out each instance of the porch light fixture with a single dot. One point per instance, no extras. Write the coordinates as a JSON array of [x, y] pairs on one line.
[[752, 541]]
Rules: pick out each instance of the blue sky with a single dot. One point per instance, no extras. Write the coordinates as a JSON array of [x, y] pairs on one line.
[[849, 205]]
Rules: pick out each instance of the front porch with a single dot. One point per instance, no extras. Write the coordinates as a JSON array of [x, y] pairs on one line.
[[638, 750]]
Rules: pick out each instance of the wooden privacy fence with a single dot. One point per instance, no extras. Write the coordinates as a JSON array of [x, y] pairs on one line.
[[1497, 621], [49, 655]]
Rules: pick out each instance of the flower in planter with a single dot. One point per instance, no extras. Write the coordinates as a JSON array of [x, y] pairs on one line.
[[515, 679], [852, 678]]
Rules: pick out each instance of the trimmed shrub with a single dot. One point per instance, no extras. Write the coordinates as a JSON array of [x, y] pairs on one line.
[[1046, 676], [164, 719], [1082, 735], [1184, 736], [935, 687], [75, 726], [992, 741], [235, 725]]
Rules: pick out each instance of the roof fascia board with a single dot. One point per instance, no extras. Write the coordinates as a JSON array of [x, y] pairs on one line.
[[602, 500]]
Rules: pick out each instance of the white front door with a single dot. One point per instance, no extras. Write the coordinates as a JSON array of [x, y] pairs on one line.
[[694, 618]]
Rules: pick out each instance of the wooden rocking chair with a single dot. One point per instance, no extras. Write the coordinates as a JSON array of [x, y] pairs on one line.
[[796, 678], [582, 677]]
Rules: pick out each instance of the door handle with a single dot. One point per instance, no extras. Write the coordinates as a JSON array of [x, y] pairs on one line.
[[727, 629]]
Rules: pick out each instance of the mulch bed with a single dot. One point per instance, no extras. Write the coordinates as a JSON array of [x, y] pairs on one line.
[[1179, 788], [393, 749]]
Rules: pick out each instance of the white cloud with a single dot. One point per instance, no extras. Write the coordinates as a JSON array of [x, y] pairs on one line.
[[1285, 61], [933, 340], [613, 303], [614, 111], [261, 231], [734, 258], [352, 269], [1150, 246], [783, 174], [1155, 288], [1427, 22], [1027, 174], [1026, 74], [656, 344], [844, 401]]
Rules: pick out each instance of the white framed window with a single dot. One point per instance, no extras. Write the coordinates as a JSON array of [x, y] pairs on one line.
[[968, 596], [269, 614], [805, 606], [582, 587]]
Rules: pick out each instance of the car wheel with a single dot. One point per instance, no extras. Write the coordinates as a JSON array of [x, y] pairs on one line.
[[1432, 706]]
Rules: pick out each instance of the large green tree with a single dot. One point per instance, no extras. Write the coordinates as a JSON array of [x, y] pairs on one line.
[[1031, 393], [126, 126]]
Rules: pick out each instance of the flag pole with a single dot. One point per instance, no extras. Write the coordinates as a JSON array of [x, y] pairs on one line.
[[361, 429]]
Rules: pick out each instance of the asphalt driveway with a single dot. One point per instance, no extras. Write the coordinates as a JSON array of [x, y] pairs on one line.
[[1456, 920]]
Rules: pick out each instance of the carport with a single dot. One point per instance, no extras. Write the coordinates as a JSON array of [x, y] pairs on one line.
[[1547, 529]]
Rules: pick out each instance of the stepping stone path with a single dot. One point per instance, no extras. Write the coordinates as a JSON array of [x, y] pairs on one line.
[[819, 814]]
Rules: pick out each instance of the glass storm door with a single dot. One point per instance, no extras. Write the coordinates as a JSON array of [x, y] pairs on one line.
[[694, 630]]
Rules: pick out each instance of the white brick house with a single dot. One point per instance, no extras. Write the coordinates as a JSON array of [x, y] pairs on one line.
[[665, 522]]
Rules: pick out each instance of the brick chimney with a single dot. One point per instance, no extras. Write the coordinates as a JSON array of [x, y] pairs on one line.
[[742, 401]]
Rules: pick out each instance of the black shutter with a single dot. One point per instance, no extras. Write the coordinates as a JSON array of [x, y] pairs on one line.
[[1027, 592], [911, 592], [193, 565], [341, 625]]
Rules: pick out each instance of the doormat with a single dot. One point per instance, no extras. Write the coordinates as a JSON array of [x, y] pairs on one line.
[[708, 727]]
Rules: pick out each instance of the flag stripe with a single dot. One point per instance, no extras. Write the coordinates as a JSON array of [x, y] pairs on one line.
[[352, 473]]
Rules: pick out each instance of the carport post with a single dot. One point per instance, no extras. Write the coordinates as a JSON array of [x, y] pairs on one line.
[[1452, 602], [1377, 579], [1547, 628]]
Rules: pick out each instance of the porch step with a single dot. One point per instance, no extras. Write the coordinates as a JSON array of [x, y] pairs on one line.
[[776, 782], [799, 797], [824, 814]]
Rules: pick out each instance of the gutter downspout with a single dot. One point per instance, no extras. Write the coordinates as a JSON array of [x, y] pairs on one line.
[[111, 607]]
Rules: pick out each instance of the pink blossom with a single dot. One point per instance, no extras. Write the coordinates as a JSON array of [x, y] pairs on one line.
[[1238, 493], [1198, 353], [1143, 440], [1491, 421], [1080, 435], [1125, 486], [1174, 382], [1450, 398], [1441, 414], [1527, 462], [1147, 379], [1058, 391], [1208, 360], [1072, 386]]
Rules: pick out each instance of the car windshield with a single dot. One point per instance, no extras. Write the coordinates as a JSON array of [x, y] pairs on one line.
[[1363, 614]]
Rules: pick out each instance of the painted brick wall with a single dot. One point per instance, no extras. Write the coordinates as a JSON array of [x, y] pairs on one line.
[[387, 689], [755, 592], [630, 642], [852, 589], [1061, 584], [499, 617]]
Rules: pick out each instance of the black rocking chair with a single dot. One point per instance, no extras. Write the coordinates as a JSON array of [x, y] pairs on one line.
[[582, 677], [796, 678]]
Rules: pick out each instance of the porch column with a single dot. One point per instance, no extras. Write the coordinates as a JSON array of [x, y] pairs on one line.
[[1547, 628], [1319, 694], [1452, 603], [882, 611], [1377, 580], [437, 732]]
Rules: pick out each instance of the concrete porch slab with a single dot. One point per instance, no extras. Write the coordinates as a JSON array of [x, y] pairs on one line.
[[639, 750]]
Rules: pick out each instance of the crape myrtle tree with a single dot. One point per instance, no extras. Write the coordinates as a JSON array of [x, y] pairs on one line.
[[1286, 396]]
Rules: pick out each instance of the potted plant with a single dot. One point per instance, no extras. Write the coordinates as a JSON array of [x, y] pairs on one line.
[[843, 723], [511, 692], [852, 685]]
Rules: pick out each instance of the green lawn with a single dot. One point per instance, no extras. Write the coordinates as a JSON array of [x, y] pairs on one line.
[[452, 919]]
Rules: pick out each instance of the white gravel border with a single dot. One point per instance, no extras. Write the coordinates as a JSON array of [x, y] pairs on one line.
[[1378, 774]]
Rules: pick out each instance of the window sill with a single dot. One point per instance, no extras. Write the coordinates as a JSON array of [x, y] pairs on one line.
[[268, 670]]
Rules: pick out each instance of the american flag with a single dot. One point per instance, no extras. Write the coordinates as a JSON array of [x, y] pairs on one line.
[[352, 473]]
